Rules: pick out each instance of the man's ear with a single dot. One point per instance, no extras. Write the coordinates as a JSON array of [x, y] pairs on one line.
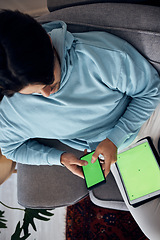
[[7, 167], [50, 38]]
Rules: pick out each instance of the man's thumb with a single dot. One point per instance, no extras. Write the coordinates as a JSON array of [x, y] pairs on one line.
[[94, 156]]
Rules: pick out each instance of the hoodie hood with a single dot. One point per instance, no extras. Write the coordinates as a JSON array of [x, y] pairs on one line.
[[62, 41]]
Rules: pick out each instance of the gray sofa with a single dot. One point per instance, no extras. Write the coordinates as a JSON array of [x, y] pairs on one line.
[[54, 186]]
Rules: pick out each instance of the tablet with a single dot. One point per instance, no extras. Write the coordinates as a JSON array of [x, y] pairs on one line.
[[93, 172], [139, 170]]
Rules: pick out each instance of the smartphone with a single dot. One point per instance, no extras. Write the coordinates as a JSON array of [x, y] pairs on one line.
[[139, 170], [93, 172]]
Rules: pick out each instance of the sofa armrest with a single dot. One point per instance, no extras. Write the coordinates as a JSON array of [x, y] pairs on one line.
[[137, 24], [60, 4]]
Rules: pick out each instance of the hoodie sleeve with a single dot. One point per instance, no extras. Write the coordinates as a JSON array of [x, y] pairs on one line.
[[139, 80], [28, 152]]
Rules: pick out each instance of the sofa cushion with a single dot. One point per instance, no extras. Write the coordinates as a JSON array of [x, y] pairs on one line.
[[55, 186], [49, 186]]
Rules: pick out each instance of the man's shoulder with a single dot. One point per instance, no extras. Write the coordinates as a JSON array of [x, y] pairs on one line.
[[100, 39], [13, 108]]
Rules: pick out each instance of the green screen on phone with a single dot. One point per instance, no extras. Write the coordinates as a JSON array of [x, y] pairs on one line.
[[92, 172], [139, 171]]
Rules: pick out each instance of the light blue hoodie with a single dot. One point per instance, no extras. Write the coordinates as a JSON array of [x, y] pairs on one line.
[[108, 90]]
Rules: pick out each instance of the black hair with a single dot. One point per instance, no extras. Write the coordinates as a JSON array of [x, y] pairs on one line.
[[26, 54]]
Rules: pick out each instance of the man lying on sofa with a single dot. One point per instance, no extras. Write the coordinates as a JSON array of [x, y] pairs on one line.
[[89, 90]]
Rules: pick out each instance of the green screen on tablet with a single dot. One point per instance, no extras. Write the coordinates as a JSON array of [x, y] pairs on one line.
[[139, 172]]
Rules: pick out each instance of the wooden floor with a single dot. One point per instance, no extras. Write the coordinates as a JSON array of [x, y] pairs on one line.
[[32, 7]]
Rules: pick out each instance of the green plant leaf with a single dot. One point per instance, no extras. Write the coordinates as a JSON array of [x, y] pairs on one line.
[[2, 220], [17, 233], [29, 216]]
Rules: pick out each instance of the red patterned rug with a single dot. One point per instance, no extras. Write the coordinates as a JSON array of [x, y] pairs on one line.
[[86, 221]]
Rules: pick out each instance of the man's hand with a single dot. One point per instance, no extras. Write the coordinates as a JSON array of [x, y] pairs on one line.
[[109, 151], [74, 164]]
